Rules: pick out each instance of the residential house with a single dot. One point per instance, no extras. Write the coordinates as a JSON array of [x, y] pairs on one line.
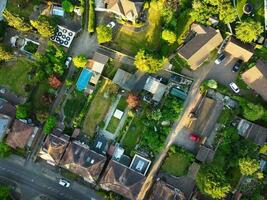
[[251, 131], [122, 180], [21, 135], [203, 40], [168, 187], [5, 122], [125, 9], [124, 79], [239, 49], [155, 87], [7, 108], [81, 160], [256, 78], [54, 147]]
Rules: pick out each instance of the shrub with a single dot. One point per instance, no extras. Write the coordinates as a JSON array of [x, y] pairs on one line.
[[67, 6], [49, 124], [80, 61], [21, 112], [104, 34]]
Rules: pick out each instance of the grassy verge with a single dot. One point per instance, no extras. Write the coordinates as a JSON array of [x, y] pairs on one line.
[[99, 106], [15, 75], [113, 124]]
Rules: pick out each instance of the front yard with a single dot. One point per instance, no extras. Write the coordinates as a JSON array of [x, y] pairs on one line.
[[15, 75], [99, 106], [21, 7]]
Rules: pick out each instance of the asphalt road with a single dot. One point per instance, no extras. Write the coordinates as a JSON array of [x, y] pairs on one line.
[[40, 183]]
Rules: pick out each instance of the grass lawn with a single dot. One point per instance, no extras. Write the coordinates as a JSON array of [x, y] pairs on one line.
[[24, 9], [74, 105], [239, 6], [37, 94], [122, 105], [14, 75], [99, 106], [113, 124], [178, 64], [176, 164], [134, 132], [129, 42]]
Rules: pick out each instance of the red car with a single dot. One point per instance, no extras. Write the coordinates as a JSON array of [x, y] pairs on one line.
[[194, 137]]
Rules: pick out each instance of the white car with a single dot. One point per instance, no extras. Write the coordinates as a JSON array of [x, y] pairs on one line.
[[111, 25], [68, 61], [234, 87], [3, 91], [64, 183]]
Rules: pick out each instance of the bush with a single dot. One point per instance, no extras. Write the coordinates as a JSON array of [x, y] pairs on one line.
[[5, 150], [21, 112], [67, 6], [80, 61], [104, 34], [49, 124], [91, 20]]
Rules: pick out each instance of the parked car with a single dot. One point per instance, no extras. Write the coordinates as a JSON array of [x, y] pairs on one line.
[[220, 58], [2, 90], [111, 25], [234, 87], [64, 183], [194, 137], [68, 61], [236, 66]]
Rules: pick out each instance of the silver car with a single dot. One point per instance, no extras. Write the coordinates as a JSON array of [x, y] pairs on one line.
[[234, 87]]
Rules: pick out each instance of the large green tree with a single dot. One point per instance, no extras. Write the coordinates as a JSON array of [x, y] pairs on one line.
[[44, 26], [104, 34], [4, 150], [16, 22], [248, 166], [227, 13], [252, 111], [21, 112], [147, 62], [79, 61], [5, 192], [212, 181], [5, 54], [169, 36], [249, 30], [67, 6]]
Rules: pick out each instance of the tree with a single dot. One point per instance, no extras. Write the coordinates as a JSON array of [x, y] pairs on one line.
[[252, 111], [212, 181], [67, 6], [248, 31], [202, 12], [44, 26], [5, 192], [16, 22], [227, 12], [49, 124], [248, 166], [148, 63], [21, 112], [212, 84], [54, 82], [169, 36], [5, 150], [132, 100], [79, 61], [104, 34], [5, 55]]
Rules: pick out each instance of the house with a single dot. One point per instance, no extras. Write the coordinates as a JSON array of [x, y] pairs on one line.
[[155, 87], [21, 135], [122, 180], [7, 108], [7, 114], [256, 78], [125, 9], [54, 147], [239, 49], [80, 159], [168, 187], [124, 79], [5, 122], [251, 131], [204, 40], [57, 10]]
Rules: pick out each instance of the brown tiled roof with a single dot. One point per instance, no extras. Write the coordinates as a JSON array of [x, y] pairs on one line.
[[55, 145], [19, 135], [197, 50], [256, 78], [239, 49], [83, 161], [122, 180], [7, 109]]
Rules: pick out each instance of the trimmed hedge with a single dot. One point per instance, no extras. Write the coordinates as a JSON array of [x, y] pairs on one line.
[[91, 17]]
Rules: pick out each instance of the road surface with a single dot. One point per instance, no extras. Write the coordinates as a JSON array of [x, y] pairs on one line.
[[40, 183]]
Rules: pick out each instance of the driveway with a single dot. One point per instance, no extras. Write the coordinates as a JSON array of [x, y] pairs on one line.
[[2, 8]]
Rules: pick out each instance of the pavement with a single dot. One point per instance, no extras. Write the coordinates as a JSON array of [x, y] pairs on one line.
[[2, 7], [33, 180]]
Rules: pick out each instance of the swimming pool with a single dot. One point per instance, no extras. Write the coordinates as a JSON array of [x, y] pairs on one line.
[[84, 78]]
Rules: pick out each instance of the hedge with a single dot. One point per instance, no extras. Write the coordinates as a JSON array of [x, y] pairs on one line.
[[91, 17]]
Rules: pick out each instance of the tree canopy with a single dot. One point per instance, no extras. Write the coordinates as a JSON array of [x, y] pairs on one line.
[[44, 26], [169, 36], [248, 31], [5, 150], [252, 111], [67, 6], [80, 61], [5, 54], [16, 22], [5, 192], [248, 166], [104, 34], [147, 62], [21, 112], [49, 124], [132, 100]]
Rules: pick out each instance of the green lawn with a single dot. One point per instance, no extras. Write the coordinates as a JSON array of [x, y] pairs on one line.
[[24, 9], [74, 105], [36, 97], [176, 164], [129, 42], [99, 106], [14, 75], [122, 105], [113, 124]]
